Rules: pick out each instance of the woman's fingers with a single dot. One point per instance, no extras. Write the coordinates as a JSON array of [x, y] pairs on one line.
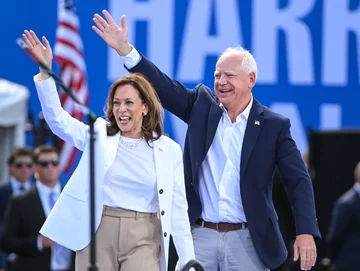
[[46, 42], [32, 40], [33, 35], [29, 39], [28, 42]]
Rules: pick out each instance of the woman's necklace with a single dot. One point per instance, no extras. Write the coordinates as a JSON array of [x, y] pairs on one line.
[[130, 145]]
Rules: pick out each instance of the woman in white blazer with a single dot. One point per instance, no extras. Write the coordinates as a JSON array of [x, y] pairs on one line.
[[138, 178]]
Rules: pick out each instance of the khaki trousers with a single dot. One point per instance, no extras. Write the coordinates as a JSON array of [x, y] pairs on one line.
[[126, 241]]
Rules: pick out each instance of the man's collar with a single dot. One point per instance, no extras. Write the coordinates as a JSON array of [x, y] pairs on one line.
[[42, 188], [15, 184], [246, 111]]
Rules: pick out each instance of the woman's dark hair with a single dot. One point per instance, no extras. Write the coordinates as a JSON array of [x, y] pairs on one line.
[[153, 121]]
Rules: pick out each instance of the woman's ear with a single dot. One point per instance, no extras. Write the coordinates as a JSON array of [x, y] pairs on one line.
[[145, 109]]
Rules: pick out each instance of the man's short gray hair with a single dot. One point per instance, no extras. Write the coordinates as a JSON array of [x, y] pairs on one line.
[[248, 63]]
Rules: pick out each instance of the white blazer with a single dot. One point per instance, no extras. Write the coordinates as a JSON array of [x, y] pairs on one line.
[[69, 221]]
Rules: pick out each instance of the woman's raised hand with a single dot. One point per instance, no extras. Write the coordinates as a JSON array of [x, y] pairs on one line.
[[42, 51]]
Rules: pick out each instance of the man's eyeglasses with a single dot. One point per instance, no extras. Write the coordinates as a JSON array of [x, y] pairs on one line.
[[46, 163], [23, 164]]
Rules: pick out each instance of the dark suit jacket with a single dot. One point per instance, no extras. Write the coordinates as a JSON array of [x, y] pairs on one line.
[[23, 220], [344, 232], [5, 194], [264, 146]]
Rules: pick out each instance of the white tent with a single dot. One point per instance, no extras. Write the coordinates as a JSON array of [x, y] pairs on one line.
[[13, 115]]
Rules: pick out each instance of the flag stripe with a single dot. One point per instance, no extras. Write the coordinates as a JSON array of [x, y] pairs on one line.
[[71, 57], [68, 53], [65, 42], [68, 26], [69, 35]]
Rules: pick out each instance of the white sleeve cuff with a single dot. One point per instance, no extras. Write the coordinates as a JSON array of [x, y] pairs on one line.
[[132, 58], [37, 78]]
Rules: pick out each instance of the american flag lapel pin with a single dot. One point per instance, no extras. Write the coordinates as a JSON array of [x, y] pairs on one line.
[[257, 122]]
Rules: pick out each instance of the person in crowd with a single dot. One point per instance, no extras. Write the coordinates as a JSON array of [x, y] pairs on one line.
[[140, 194], [20, 164], [343, 237], [232, 146], [27, 212]]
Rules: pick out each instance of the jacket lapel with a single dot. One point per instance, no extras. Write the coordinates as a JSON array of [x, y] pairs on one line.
[[161, 162], [113, 142], [159, 155], [253, 128], [9, 189], [37, 206], [214, 117], [215, 114]]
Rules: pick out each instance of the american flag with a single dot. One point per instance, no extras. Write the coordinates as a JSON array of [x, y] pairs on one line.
[[68, 53]]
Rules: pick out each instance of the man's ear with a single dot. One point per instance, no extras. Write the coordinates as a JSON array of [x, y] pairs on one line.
[[252, 79]]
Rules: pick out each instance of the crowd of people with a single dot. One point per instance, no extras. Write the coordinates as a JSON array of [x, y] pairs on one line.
[[25, 204]]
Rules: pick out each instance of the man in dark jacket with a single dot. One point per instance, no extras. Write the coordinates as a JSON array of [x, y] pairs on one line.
[[344, 232], [25, 215], [20, 164]]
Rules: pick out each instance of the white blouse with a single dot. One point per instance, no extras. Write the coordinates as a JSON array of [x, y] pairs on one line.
[[130, 182]]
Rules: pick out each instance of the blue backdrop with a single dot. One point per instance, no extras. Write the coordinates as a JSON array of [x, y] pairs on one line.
[[307, 50]]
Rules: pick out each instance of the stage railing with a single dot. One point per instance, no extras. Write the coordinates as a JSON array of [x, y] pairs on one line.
[[192, 263]]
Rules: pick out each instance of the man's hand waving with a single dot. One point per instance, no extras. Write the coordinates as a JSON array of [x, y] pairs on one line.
[[116, 37]]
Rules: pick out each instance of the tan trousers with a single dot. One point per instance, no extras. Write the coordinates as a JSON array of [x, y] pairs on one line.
[[126, 241]]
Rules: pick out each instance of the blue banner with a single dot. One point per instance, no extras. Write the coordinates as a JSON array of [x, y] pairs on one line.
[[307, 51]]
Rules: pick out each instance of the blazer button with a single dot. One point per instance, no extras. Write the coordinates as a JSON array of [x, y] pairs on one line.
[[165, 234], [197, 163], [161, 191], [162, 212]]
